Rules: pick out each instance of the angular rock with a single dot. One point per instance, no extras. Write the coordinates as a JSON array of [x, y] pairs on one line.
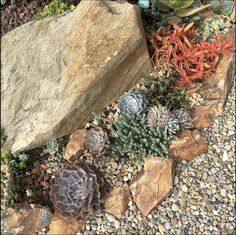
[[25, 219], [189, 145], [215, 88], [217, 85], [61, 226], [117, 201], [152, 185], [58, 70], [76, 145], [204, 115]]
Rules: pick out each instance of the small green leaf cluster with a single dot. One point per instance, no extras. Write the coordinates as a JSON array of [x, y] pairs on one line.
[[132, 135], [17, 162], [166, 93], [12, 166], [7, 186], [52, 146], [56, 7]]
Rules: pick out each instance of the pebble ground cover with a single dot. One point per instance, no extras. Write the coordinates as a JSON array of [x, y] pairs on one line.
[[203, 198]]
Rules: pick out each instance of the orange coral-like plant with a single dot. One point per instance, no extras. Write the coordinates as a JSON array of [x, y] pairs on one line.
[[179, 49]]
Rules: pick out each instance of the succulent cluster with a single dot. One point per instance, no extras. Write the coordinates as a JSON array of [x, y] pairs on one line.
[[184, 118], [224, 7], [11, 168], [160, 117], [52, 146], [56, 7], [7, 186], [96, 139], [133, 102], [76, 191], [166, 93], [131, 134], [192, 60], [212, 26], [17, 162]]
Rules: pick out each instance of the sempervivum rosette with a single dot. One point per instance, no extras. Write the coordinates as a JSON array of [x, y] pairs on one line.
[[184, 118], [133, 102], [163, 119], [76, 191], [96, 139]]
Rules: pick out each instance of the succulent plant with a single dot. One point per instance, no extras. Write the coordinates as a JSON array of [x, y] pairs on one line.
[[184, 118], [133, 102], [52, 146], [54, 8], [96, 139], [175, 4], [161, 117], [76, 191], [224, 7], [17, 162], [7, 186], [131, 135], [166, 93]]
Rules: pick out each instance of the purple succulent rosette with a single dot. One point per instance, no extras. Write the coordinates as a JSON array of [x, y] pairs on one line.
[[76, 191], [96, 139]]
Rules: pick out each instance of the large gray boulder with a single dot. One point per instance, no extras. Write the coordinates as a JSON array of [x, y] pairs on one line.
[[56, 71]]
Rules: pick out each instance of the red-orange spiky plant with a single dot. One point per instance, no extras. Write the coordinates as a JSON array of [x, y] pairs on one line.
[[178, 48]]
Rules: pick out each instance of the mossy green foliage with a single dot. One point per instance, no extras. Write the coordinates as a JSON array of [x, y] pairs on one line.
[[54, 8], [166, 93], [17, 162], [12, 166], [132, 135]]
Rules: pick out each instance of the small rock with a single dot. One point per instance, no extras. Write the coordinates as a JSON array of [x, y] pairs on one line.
[[161, 228], [153, 184], [175, 207], [116, 224], [184, 188], [189, 145], [76, 145], [223, 192], [225, 156], [110, 218], [117, 201], [23, 218], [62, 225]]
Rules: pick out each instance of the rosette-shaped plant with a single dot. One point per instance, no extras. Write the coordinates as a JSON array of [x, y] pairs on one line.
[[76, 191], [96, 139], [133, 102], [163, 119], [184, 118]]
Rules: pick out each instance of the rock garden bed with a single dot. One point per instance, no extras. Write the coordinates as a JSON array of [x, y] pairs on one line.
[[118, 133]]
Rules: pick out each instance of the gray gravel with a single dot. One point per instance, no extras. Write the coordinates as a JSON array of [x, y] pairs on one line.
[[203, 198]]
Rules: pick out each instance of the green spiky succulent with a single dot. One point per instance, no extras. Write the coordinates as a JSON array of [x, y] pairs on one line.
[[184, 118], [166, 93], [132, 135], [160, 117]]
